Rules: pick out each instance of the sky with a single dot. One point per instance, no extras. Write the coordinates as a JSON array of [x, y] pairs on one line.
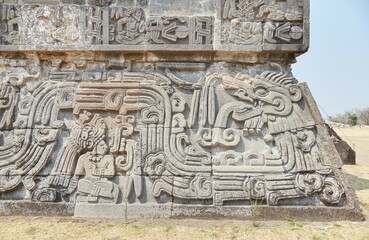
[[336, 67]]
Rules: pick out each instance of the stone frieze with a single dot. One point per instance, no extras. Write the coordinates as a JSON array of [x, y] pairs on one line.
[[249, 26]]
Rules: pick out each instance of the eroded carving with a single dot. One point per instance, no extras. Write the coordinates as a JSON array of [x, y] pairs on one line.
[[256, 22], [75, 25], [128, 26]]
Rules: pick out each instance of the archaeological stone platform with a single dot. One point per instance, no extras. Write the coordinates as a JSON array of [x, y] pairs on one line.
[[163, 108]]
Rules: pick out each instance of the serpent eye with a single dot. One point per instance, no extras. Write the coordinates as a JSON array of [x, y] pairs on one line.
[[261, 91]]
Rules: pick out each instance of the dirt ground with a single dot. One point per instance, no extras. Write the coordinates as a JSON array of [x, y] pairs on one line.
[[70, 228], [73, 228]]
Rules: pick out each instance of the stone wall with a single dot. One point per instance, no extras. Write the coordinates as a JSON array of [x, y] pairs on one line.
[[162, 109]]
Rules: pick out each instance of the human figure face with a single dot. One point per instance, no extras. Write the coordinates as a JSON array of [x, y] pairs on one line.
[[102, 148]]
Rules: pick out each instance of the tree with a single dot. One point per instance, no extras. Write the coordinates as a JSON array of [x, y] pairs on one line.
[[340, 118], [363, 116], [352, 119]]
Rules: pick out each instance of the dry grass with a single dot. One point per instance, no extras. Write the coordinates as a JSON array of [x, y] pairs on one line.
[[72, 228]]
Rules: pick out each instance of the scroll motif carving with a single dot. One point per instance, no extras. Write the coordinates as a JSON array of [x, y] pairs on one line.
[[227, 136], [240, 129], [31, 138]]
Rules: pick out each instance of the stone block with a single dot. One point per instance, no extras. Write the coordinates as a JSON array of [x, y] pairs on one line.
[[144, 211]]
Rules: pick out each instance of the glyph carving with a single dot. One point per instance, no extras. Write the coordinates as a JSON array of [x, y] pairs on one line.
[[129, 25], [244, 33], [261, 9], [10, 25], [169, 30], [253, 22]]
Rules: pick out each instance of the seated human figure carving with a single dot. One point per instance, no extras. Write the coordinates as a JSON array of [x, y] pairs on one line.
[[96, 167]]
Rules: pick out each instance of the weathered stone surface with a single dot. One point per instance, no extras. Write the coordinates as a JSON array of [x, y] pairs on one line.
[[163, 109], [347, 154], [11, 208], [156, 25]]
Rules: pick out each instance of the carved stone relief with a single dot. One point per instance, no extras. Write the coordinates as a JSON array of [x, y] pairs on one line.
[[251, 22], [228, 136], [166, 128], [248, 23], [92, 25], [127, 26]]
